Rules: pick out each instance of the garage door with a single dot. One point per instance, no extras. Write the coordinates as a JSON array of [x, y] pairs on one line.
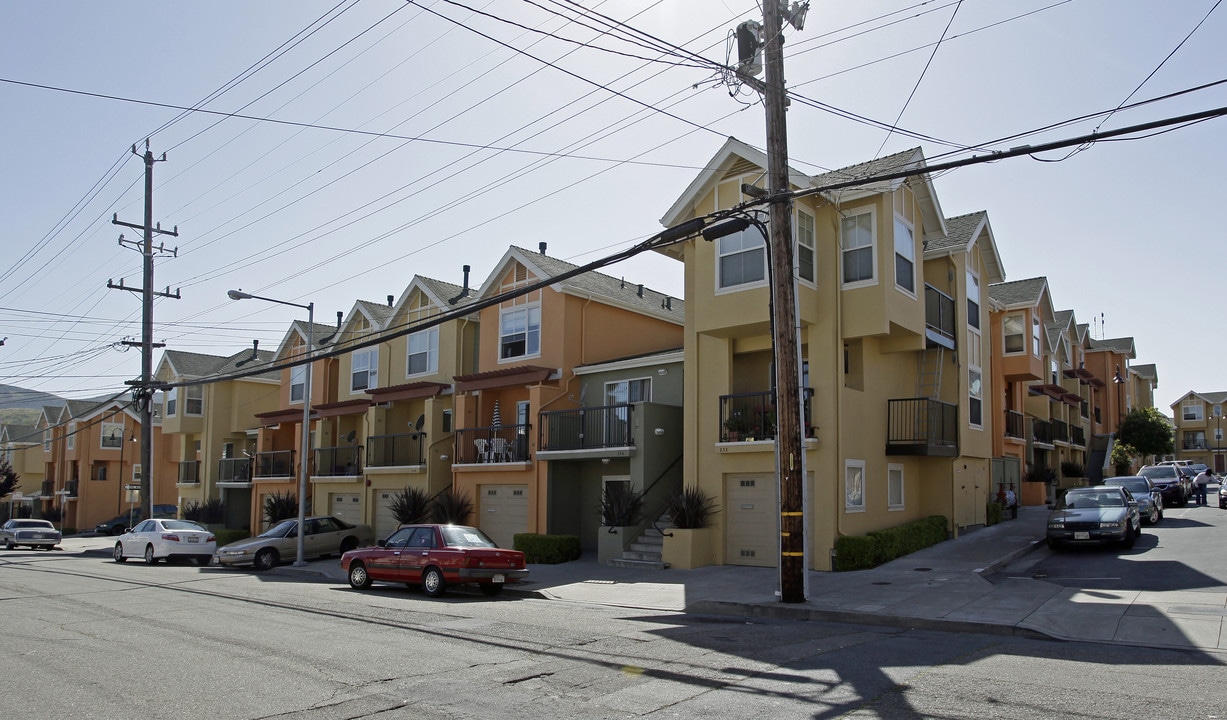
[[751, 517], [502, 512], [385, 521], [347, 507]]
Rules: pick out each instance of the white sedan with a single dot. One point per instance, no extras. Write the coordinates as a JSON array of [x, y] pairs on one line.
[[168, 540]]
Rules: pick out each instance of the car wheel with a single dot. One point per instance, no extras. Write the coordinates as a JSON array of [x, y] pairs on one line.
[[358, 577], [491, 589], [8, 545], [266, 559], [349, 543], [432, 582], [149, 558], [1155, 516], [1130, 538], [118, 553], [1054, 545], [204, 560], [117, 530]]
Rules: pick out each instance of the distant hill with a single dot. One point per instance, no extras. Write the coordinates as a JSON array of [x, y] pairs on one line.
[[12, 396]]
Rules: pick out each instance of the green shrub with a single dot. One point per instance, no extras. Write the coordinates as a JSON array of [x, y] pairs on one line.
[[410, 505], [280, 506], [210, 512], [880, 546], [547, 549], [620, 505], [450, 507], [691, 508], [995, 514]]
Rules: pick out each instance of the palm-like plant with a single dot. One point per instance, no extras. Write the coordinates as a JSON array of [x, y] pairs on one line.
[[280, 506], [691, 508], [411, 505], [450, 507]]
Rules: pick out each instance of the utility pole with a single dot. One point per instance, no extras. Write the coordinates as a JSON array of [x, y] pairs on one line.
[[143, 391], [790, 452]]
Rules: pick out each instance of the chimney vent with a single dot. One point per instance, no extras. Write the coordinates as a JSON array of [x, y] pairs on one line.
[[542, 247]]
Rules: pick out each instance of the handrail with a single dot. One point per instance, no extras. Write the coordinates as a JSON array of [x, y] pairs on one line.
[[656, 516]]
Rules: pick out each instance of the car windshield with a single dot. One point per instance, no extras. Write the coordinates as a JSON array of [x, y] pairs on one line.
[[1077, 501], [279, 530], [457, 536], [1158, 471], [181, 525], [1137, 487], [32, 524]]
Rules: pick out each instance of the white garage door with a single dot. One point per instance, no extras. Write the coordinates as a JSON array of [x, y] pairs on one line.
[[347, 507], [385, 521], [751, 517], [502, 512]]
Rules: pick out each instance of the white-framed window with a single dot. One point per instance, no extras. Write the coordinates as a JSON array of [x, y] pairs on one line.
[[628, 391], [136, 473], [894, 486], [193, 400], [71, 440], [905, 240], [1035, 335], [975, 401], [447, 421], [857, 247], [1217, 410], [172, 399], [973, 299], [1014, 331], [112, 435], [364, 369], [1192, 409], [741, 259], [1218, 434], [807, 248], [854, 486], [423, 352], [47, 440], [519, 332], [1054, 370], [298, 383]]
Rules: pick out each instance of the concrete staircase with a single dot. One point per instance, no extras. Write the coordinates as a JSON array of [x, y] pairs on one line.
[[645, 552]]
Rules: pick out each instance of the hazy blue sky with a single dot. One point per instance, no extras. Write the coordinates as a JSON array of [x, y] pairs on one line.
[[1121, 229]]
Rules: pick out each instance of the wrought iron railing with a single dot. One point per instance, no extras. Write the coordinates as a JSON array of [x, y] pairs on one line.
[[922, 421], [275, 463], [1077, 435], [1060, 431], [71, 488], [342, 461], [1014, 424], [1041, 431], [500, 444], [395, 450], [586, 428], [745, 416]]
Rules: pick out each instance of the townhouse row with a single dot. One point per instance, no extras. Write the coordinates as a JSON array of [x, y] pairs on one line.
[[930, 384]]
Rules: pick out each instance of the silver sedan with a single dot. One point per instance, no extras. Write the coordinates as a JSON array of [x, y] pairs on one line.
[[325, 536], [29, 532]]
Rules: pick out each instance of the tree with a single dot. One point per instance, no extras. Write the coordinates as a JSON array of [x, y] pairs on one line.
[[1122, 458], [1147, 431], [8, 477]]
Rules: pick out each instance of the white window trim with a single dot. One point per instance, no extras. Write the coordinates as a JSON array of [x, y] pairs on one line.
[[1037, 334], [970, 424], [627, 382], [170, 402], [540, 335], [187, 389], [1022, 320], [303, 381], [895, 252], [892, 467], [973, 275], [432, 352], [70, 439], [872, 211], [107, 429], [848, 506], [1192, 403], [796, 251], [720, 289], [372, 369]]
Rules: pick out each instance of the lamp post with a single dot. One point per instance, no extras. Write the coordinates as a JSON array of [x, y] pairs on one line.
[[1120, 402], [306, 413]]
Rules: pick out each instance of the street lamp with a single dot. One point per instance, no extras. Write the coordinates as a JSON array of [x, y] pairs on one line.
[[306, 414], [1120, 403]]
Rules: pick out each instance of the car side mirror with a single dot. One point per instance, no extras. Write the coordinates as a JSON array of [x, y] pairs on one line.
[[383, 543]]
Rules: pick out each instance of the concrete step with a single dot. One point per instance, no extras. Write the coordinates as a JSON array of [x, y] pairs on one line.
[[641, 564], [647, 547], [636, 555], [653, 539]]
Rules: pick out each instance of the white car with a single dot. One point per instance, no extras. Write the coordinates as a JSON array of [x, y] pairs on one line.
[[168, 540]]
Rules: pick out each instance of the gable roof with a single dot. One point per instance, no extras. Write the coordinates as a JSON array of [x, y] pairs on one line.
[[1019, 293], [962, 232], [1211, 398], [198, 365], [438, 292], [613, 291], [298, 329], [1120, 346], [19, 433], [1148, 371]]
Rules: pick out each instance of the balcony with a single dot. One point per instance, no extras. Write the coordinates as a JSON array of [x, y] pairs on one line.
[[344, 461], [275, 464], [751, 416], [1014, 424], [501, 444], [189, 473], [70, 489], [234, 470], [395, 450], [922, 426], [1194, 444], [1077, 436], [48, 488], [594, 428], [1041, 432], [1060, 431], [939, 318]]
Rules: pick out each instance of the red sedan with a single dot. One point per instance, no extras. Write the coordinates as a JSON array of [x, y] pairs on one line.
[[435, 556]]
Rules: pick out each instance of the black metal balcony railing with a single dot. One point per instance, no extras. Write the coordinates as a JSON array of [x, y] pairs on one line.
[[1014, 424], [234, 470], [344, 461], [939, 317], [71, 488], [1041, 431], [1060, 431], [752, 415], [189, 472], [1077, 436], [1194, 444], [1085, 409], [1097, 418], [48, 488], [275, 463], [502, 444], [922, 426], [395, 450], [586, 428]]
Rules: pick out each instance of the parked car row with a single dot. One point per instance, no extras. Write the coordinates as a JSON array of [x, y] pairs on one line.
[[1174, 481]]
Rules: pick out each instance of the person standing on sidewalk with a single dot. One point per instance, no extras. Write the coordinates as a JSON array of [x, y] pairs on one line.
[[1011, 502], [1199, 485]]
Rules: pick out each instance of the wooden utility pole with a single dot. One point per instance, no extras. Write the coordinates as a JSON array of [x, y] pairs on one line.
[[789, 443], [143, 394]]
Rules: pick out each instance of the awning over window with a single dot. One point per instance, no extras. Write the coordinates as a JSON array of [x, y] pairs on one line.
[[337, 409], [408, 391], [276, 417], [509, 377]]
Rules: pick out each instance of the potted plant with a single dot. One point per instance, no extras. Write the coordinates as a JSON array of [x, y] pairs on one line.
[[688, 542], [736, 426]]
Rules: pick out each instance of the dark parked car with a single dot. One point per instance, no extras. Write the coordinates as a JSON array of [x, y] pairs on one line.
[[119, 524], [435, 556], [1089, 515], [1172, 480], [1150, 500]]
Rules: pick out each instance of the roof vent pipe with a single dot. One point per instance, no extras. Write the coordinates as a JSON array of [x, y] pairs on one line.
[[464, 291], [390, 299], [640, 293], [541, 246], [668, 303]]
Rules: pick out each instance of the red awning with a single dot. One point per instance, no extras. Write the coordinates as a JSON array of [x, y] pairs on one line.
[[336, 409], [276, 417], [408, 391], [521, 375]]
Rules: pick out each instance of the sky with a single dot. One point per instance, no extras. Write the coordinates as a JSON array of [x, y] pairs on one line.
[[338, 148]]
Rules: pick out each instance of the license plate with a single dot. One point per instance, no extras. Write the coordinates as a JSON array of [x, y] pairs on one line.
[[499, 578], [193, 539], [1082, 536]]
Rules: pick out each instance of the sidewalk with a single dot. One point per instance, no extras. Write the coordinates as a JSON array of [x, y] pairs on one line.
[[942, 587]]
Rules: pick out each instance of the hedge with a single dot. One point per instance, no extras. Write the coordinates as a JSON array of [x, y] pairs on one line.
[[995, 514], [547, 549], [881, 546]]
